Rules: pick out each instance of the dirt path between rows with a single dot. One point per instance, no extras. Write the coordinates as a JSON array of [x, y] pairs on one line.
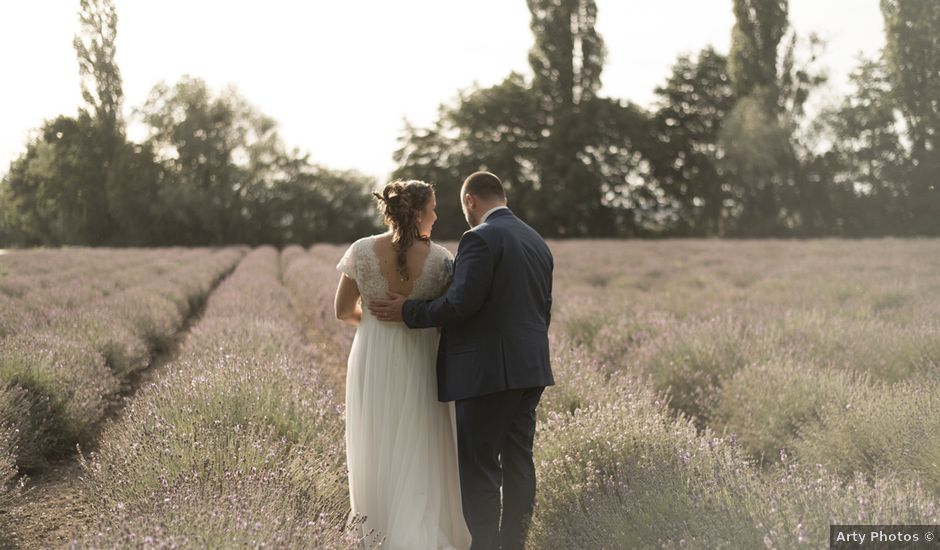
[[54, 505]]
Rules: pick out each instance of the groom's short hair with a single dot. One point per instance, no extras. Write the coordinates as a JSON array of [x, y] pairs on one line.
[[484, 185]]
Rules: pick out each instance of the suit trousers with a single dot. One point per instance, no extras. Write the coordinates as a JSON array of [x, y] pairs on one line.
[[494, 440]]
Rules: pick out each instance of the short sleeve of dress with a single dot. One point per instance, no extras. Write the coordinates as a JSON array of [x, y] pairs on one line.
[[448, 265], [446, 269], [347, 264]]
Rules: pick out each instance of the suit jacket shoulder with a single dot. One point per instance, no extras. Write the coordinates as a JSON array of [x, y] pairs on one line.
[[491, 231]]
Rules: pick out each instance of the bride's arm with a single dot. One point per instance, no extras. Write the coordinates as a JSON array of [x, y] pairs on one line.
[[346, 304]]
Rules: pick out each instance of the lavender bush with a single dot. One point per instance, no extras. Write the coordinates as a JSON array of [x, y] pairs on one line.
[[96, 328], [312, 280], [238, 444], [622, 472], [689, 315], [67, 385], [11, 401], [768, 406], [883, 430]]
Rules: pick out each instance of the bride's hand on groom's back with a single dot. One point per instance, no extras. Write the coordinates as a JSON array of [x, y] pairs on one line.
[[388, 309]]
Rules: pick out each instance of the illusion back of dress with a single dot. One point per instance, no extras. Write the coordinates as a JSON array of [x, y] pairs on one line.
[[360, 262]]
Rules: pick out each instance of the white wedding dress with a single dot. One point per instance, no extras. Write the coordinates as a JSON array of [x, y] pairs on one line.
[[401, 447]]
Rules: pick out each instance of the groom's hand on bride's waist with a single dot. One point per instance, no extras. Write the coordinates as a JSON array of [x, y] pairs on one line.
[[388, 309]]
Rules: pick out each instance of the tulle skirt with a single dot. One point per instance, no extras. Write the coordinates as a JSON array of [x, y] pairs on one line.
[[401, 446]]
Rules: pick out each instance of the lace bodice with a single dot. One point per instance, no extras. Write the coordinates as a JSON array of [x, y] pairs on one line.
[[361, 264]]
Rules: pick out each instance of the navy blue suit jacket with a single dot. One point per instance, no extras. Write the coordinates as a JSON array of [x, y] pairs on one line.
[[496, 313]]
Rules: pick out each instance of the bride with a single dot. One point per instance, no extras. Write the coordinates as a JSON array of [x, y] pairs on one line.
[[400, 440]]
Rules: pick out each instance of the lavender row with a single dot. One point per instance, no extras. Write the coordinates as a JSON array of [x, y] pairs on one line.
[[312, 278], [780, 343], [59, 378], [617, 469], [239, 443], [36, 287]]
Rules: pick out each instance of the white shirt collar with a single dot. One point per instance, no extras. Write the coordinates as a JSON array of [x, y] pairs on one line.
[[490, 211]]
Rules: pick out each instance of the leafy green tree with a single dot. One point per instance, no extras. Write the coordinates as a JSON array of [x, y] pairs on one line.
[[757, 163], [912, 55], [569, 158], [568, 55], [567, 59], [753, 137], [44, 192], [866, 148], [759, 26], [226, 177], [101, 83], [212, 150], [133, 189], [493, 129], [295, 201], [868, 157], [30, 197], [693, 103], [102, 92], [913, 61], [58, 191], [768, 167]]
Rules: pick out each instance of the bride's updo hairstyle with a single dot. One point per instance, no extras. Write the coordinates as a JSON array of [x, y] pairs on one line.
[[401, 202]]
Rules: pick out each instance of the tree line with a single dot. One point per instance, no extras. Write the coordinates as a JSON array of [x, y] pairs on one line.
[[728, 149], [212, 170]]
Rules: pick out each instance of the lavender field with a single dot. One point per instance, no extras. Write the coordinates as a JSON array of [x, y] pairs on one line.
[[710, 394]]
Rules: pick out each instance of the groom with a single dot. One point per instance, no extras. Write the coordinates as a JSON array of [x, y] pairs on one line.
[[493, 358]]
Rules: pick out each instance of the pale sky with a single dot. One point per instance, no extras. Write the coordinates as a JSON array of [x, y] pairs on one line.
[[340, 77]]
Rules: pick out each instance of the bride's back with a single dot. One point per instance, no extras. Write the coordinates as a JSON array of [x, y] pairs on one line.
[[415, 258], [373, 263]]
